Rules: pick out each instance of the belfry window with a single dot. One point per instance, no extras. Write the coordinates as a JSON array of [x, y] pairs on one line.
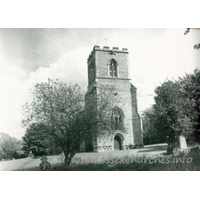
[[112, 68]]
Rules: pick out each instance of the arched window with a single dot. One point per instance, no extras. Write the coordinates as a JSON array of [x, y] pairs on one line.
[[117, 119], [112, 68]]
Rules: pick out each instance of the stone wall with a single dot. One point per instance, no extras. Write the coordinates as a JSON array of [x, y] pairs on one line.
[[123, 91], [137, 131]]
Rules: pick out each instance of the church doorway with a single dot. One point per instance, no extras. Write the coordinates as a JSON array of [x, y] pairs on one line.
[[117, 143]]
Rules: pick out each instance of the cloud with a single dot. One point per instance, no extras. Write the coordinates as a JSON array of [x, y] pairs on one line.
[[170, 56], [12, 91], [15, 87], [154, 55], [70, 67]]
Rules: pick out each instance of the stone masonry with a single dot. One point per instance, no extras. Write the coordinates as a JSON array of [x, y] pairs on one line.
[[106, 68]]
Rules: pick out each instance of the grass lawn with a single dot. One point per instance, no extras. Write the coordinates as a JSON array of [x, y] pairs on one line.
[[130, 162], [56, 160]]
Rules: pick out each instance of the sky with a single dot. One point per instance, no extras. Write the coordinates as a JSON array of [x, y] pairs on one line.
[[29, 56]]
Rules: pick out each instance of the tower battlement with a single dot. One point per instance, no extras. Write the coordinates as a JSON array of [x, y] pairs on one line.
[[108, 49]]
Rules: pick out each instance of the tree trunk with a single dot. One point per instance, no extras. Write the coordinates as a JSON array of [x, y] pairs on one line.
[[171, 144], [68, 156]]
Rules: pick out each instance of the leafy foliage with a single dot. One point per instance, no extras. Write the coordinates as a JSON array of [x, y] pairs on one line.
[[8, 146], [61, 109], [37, 139], [176, 110], [196, 46], [150, 135]]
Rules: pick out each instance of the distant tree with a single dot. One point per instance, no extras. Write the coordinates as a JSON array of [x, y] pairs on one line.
[[61, 108], [36, 139], [8, 146]]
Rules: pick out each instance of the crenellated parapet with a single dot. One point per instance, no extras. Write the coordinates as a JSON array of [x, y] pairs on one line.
[[108, 49]]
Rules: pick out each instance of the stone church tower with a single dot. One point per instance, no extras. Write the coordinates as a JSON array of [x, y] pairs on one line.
[[110, 67]]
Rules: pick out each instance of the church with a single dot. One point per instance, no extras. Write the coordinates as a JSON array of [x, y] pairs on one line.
[[110, 67]]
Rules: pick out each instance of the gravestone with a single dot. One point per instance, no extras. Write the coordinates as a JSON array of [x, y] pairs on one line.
[[183, 144]]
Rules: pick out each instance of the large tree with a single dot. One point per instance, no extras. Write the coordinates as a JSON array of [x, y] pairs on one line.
[[165, 111], [190, 93], [61, 108], [176, 111]]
